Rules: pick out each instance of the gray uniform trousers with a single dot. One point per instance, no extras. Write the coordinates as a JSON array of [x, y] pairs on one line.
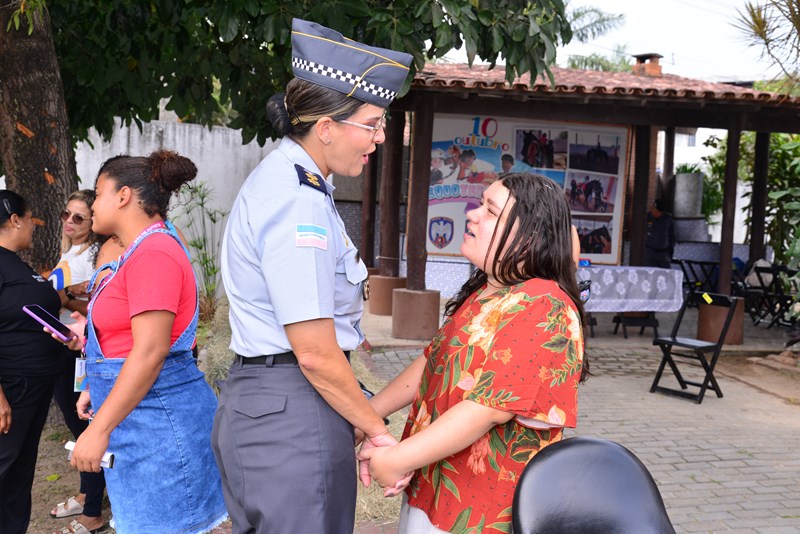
[[287, 459]]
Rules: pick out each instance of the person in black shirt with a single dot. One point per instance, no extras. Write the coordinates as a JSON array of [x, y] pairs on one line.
[[30, 361], [660, 239]]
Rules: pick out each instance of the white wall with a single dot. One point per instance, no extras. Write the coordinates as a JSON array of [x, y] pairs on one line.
[[222, 161]]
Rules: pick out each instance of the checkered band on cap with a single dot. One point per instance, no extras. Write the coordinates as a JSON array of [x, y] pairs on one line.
[[348, 78], [325, 57]]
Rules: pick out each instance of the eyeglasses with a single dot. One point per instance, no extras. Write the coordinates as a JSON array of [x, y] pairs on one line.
[[374, 129], [77, 218]]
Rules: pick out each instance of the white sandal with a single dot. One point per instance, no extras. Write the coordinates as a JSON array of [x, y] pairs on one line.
[[67, 509], [76, 527]]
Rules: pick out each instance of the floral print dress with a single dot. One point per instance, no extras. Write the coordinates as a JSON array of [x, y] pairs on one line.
[[519, 350]]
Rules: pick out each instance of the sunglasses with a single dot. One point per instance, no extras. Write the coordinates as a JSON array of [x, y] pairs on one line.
[[77, 218]]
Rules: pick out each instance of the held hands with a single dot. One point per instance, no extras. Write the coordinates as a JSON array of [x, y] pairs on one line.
[[373, 464]]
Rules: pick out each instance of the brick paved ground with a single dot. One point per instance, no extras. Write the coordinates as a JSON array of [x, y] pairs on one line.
[[727, 465]]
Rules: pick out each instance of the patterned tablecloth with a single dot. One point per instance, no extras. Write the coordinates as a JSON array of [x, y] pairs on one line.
[[633, 289]]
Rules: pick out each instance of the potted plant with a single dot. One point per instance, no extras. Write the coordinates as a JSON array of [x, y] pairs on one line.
[[688, 202]]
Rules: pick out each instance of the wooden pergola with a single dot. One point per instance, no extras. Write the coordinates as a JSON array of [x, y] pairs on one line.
[[646, 100]]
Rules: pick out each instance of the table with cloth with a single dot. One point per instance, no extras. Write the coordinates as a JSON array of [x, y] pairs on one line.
[[621, 289]]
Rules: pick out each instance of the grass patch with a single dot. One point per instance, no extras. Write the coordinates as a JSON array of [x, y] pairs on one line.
[[60, 435]]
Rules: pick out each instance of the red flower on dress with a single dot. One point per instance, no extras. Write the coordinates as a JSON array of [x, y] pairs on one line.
[[545, 374], [503, 355], [505, 474], [477, 455]]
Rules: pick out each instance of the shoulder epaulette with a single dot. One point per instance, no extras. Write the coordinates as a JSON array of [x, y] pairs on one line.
[[310, 179]]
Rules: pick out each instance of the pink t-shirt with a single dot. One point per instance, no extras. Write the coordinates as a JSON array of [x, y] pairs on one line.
[[157, 276]]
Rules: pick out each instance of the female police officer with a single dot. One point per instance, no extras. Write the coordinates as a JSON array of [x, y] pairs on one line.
[[283, 433]]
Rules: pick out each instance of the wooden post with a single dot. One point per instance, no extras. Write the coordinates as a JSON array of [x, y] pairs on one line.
[[368, 197], [391, 180], [668, 172], [419, 182], [641, 181], [759, 197], [728, 210]]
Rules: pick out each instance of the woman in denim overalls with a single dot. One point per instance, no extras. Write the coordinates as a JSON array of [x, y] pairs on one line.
[[152, 408]]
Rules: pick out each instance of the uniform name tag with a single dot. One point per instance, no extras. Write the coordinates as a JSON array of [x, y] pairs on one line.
[[80, 375], [311, 235]]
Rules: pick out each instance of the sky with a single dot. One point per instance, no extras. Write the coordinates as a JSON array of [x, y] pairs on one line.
[[697, 38]]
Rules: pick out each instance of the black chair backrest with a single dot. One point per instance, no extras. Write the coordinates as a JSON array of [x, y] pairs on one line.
[[712, 299], [588, 485], [704, 274]]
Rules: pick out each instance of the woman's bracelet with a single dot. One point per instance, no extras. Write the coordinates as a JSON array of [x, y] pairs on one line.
[[69, 294]]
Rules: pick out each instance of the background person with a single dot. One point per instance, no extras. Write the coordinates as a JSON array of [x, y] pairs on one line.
[[30, 361], [499, 380], [437, 164], [151, 406], [506, 162], [283, 434], [70, 277], [78, 248], [659, 243]]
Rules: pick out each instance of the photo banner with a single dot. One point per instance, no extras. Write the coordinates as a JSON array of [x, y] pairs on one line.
[[586, 161]]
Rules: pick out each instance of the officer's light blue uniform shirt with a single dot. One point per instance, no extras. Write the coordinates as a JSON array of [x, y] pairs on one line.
[[287, 258]]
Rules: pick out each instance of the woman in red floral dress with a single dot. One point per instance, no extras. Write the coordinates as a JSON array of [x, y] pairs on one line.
[[499, 381]]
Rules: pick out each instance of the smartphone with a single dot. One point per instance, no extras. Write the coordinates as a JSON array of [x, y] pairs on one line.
[[107, 461], [47, 320]]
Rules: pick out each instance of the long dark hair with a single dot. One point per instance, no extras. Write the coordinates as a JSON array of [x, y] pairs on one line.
[[541, 246]]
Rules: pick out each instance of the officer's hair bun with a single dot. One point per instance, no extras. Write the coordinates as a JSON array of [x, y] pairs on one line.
[[278, 115], [171, 170]]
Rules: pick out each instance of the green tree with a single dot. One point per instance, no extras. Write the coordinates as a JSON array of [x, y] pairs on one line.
[[119, 58], [618, 61], [774, 26], [783, 184], [589, 23]]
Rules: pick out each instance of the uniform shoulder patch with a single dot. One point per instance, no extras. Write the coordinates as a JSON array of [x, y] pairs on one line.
[[310, 179]]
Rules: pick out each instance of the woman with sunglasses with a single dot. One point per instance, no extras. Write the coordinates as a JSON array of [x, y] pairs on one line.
[[30, 361], [284, 427], [79, 246]]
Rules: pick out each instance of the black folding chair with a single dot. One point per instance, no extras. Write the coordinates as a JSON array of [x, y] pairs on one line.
[[689, 280], [693, 351], [779, 293], [704, 274]]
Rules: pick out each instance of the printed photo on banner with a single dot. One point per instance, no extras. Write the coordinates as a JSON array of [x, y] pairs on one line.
[[468, 153], [590, 192], [466, 157], [595, 151], [454, 164], [595, 233], [540, 148]]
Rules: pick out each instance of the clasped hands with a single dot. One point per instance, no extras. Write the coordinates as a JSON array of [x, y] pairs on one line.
[[375, 463]]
